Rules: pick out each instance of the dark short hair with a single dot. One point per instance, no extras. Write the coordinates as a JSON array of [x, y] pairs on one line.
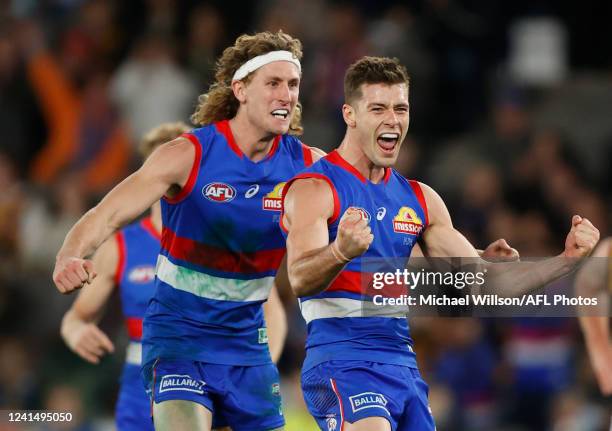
[[372, 70]]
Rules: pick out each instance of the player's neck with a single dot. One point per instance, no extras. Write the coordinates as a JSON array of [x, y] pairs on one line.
[[352, 153], [156, 219], [252, 141]]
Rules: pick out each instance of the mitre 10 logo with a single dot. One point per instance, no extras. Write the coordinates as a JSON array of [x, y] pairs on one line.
[[219, 192], [273, 201], [407, 221]]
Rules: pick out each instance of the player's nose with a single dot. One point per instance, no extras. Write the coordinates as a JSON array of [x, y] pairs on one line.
[[283, 93]]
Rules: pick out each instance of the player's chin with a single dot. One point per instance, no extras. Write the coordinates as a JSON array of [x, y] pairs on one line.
[[279, 126], [385, 159]]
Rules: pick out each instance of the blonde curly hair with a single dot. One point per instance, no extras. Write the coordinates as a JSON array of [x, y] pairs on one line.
[[219, 103]]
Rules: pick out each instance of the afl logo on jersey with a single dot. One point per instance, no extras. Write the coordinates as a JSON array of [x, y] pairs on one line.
[[219, 192], [142, 274], [407, 221], [362, 212], [273, 201]]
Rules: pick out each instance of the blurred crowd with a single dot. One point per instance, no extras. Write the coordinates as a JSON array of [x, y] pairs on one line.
[[510, 123]]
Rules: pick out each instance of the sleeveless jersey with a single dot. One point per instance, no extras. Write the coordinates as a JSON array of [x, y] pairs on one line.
[[338, 327], [138, 249], [221, 247]]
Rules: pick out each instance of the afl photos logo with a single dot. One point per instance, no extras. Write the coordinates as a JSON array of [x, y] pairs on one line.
[[407, 221], [219, 192], [273, 201]]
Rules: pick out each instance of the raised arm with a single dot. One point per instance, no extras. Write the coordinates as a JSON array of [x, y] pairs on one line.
[[313, 262], [163, 173], [79, 326], [441, 239], [592, 281]]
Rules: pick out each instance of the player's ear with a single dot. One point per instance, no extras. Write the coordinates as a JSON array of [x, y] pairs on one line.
[[239, 87], [348, 113]]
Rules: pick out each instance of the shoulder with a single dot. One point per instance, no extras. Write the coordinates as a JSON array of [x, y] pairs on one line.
[[312, 194], [317, 153], [173, 160], [433, 204]]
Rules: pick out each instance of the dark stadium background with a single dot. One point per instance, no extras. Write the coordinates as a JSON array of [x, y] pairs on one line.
[[511, 122]]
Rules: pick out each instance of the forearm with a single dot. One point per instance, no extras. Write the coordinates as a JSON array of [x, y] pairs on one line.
[[276, 321], [511, 279], [596, 332], [87, 234], [70, 325], [314, 271]]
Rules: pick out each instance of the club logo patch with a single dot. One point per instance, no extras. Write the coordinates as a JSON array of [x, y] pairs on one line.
[[364, 214], [273, 201], [368, 400], [407, 221], [142, 274], [332, 423], [219, 192], [181, 382]]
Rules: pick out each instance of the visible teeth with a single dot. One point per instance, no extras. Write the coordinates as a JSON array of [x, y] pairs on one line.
[[389, 136], [280, 113]]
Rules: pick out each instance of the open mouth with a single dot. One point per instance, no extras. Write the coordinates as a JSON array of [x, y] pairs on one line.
[[281, 114], [387, 141]]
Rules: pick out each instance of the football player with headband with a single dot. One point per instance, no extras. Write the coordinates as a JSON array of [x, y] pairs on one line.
[[205, 355]]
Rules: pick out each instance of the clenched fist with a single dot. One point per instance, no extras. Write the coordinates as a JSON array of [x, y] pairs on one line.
[[581, 239], [500, 251], [354, 235], [72, 273]]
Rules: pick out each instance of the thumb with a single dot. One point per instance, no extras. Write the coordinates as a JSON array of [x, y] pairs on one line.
[[351, 215], [576, 219], [88, 265]]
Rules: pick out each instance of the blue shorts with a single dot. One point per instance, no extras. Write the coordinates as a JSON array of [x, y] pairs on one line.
[[246, 398], [133, 409], [347, 391]]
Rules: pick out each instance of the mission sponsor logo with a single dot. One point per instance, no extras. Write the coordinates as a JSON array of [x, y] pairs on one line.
[[273, 201], [219, 192], [407, 222], [142, 274], [181, 382], [368, 400]]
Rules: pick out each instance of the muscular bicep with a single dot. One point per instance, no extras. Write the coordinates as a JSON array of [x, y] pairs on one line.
[[440, 238], [308, 205], [89, 304]]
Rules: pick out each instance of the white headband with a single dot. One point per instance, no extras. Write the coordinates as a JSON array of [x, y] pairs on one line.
[[261, 60]]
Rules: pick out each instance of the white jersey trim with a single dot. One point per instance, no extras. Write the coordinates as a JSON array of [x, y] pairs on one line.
[[211, 287], [324, 308], [133, 353]]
